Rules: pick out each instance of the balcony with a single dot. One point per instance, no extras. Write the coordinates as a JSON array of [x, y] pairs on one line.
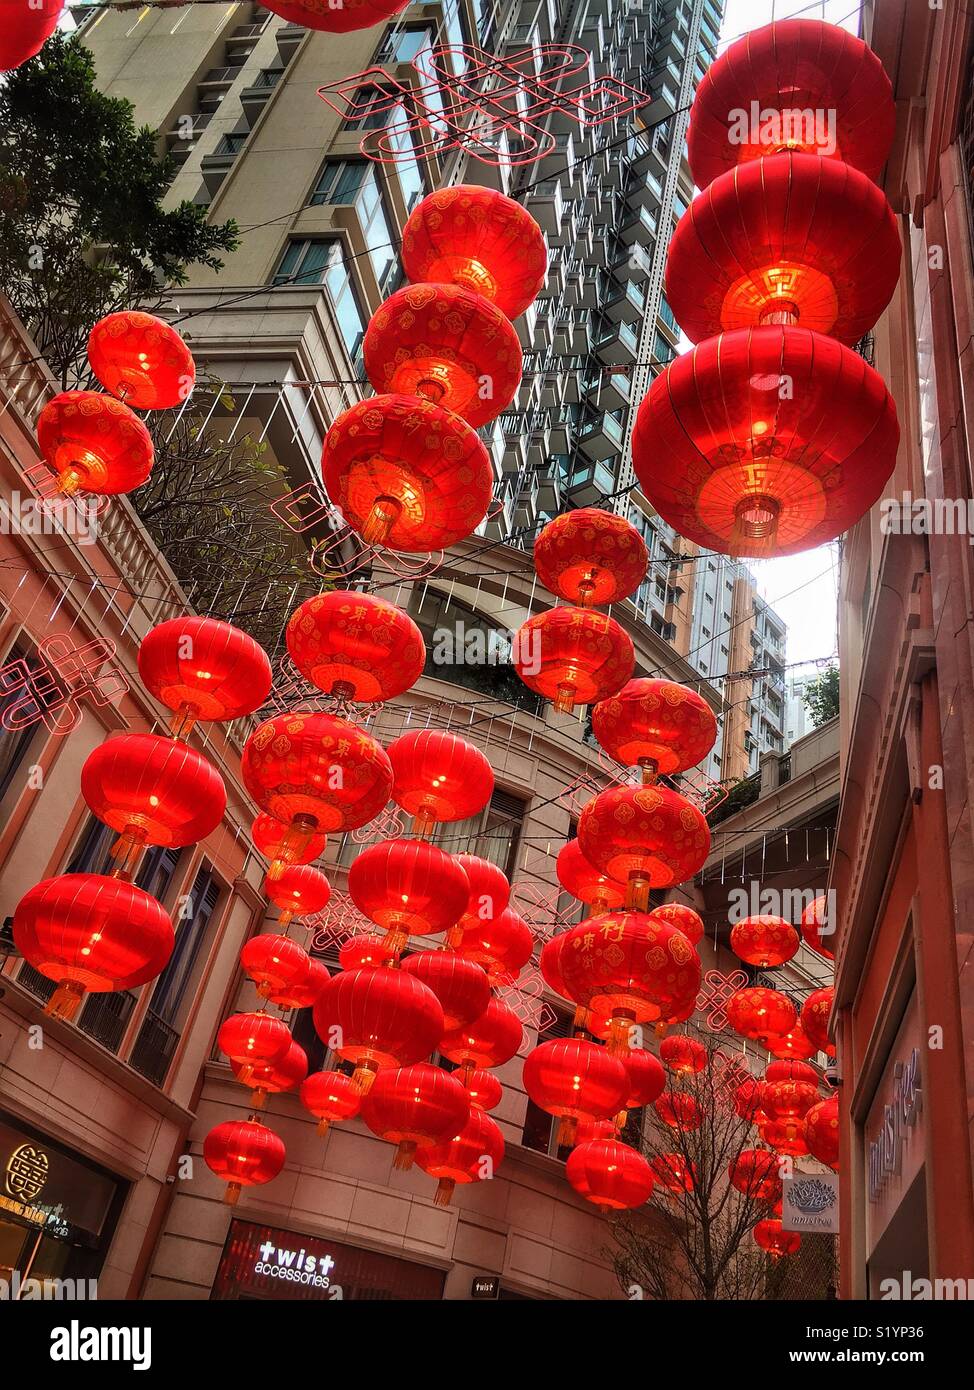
[[500, 518], [539, 448], [549, 490], [618, 346], [547, 206], [288, 38], [601, 438], [253, 99], [216, 166], [526, 504], [586, 486], [639, 228], [608, 391], [626, 305], [524, 326]]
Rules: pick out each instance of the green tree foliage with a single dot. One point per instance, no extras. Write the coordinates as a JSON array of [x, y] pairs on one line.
[[822, 696]]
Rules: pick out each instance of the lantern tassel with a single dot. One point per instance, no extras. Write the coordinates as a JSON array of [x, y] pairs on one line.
[[65, 1000], [297, 839], [444, 1192], [423, 823], [380, 520], [323, 1126], [637, 892], [617, 1043], [259, 1098], [232, 1194], [405, 1155], [183, 721], [567, 1131], [363, 1076]]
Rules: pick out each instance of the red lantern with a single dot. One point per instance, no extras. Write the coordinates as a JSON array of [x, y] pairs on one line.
[[299, 891], [407, 474], [141, 360], [822, 1131], [25, 28], [684, 918], [366, 950], [439, 777], [409, 888], [475, 237], [462, 987], [755, 1173], [355, 646], [331, 1097], [573, 656], [647, 1079], [747, 1099], [378, 1018], [816, 925], [489, 894], [760, 1013], [274, 1077], [414, 1108], [471, 1156], [578, 877], [674, 1172], [336, 19], [243, 1153], [815, 1015], [94, 444], [683, 1055], [679, 1111], [587, 556], [502, 945], [202, 668], [270, 837], [646, 837], [794, 1044], [303, 993], [317, 773], [276, 964], [764, 940], [253, 1040], [610, 1175], [86, 932], [575, 1080], [484, 1090], [489, 1041], [736, 464], [791, 72], [447, 345], [770, 1236], [790, 1089], [657, 725], [786, 1137]]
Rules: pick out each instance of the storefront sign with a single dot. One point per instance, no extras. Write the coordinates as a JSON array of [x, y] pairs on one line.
[[900, 1116], [42, 1186], [486, 1286], [810, 1203]]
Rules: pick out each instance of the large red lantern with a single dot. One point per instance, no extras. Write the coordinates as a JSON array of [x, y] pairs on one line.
[[647, 1079], [203, 669], [276, 964], [815, 1015], [587, 556], [678, 1110], [760, 1013], [154, 791], [270, 838], [301, 994], [470, 1156], [684, 918], [786, 1137], [378, 1018], [141, 360], [330, 18], [674, 1172], [575, 1080], [573, 656], [253, 1040], [795, 84], [243, 1153], [94, 444], [790, 1089], [331, 1096], [657, 725], [755, 1174], [273, 1078], [580, 878], [355, 646], [299, 891], [488, 1041], [446, 345], [415, 1107], [461, 986], [645, 837], [683, 1055], [610, 1175], [475, 237], [25, 28], [438, 776], [816, 925], [822, 1131], [86, 932], [792, 1045], [407, 474], [409, 888], [776, 1241], [502, 945], [764, 940], [489, 894], [765, 442]]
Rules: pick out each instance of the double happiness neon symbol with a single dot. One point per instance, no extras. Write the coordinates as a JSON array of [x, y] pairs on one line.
[[469, 99]]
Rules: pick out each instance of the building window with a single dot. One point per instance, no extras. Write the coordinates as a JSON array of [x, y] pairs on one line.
[[353, 183], [372, 107], [320, 261], [15, 744], [406, 44]]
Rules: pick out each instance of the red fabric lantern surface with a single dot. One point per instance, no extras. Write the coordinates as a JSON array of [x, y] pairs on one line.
[[439, 777], [336, 19], [794, 1044], [202, 668], [815, 1015], [141, 360], [303, 993], [317, 773], [760, 1013], [580, 878], [415, 1107], [747, 1099], [646, 837], [610, 1175], [275, 963], [764, 940], [786, 1070], [253, 1040], [409, 888], [822, 1131], [788, 239], [25, 28], [484, 1090], [573, 656], [378, 1018], [737, 465], [274, 1077], [683, 1055], [446, 345], [798, 66], [817, 929], [299, 891], [475, 237], [243, 1153], [755, 1174], [355, 646], [785, 1136], [461, 986], [587, 556], [87, 932], [657, 725], [550, 964], [647, 1079], [674, 1172], [679, 1111], [366, 950], [589, 1131], [331, 1097], [489, 893], [684, 918], [502, 945], [270, 838], [771, 1237], [407, 474], [575, 1080], [787, 1099], [489, 1041], [94, 443], [470, 1156]]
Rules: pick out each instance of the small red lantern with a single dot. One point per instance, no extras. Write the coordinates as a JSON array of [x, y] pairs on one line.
[[355, 646], [679, 1111], [822, 1131], [684, 918], [331, 1097], [25, 29], [647, 1079], [815, 1015], [484, 1090], [610, 1175], [276, 964], [94, 444], [657, 725], [415, 1107], [683, 1055], [578, 877], [461, 986], [790, 1089], [489, 894], [785, 1137], [330, 18], [86, 932], [303, 993], [489, 1041], [471, 1156], [674, 1172], [298, 891], [378, 1018], [243, 1153], [446, 345], [502, 945], [274, 1077], [366, 950], [409, 888], [475, 237], [771, 1237], [203, 669], [816, 926], [575, 1080], [438, 777], [645, 837], [587, 556], [270, 835], [794, 1044], [755, 1174], [141, 360], [759, 1013], [253, 1040], [764, 940], [573, 656]]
